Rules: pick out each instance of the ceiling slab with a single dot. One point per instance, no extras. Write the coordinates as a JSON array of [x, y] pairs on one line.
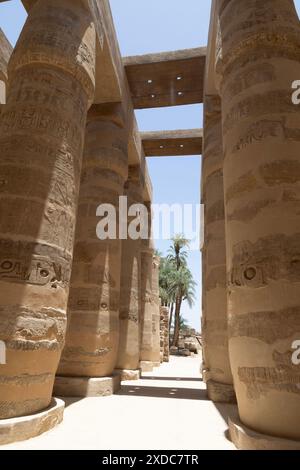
[[166, 79], [172, 143]]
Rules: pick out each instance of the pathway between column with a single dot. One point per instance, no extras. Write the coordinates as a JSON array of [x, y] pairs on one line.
[[166, 409]]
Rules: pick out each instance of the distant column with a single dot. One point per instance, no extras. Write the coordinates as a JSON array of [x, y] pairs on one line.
[[93, 310], [5, 53], [51, 86], [216, 368], [147, 252], [130, 299], [164, 334], [155, 312], [258, 63]]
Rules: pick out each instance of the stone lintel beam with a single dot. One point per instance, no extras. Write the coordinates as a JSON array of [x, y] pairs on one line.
[[172, 143], [166, 79]]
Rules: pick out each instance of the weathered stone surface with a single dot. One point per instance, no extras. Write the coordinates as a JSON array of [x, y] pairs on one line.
[[164, 334], [130, 297], [257, 62], [146, 366], [93, 308], [220, 392], [246, 439], [155, 352], [147, 301], [214, 315], [129, 374], [5, 53], [51, 85], [26, 427], [87, 386]]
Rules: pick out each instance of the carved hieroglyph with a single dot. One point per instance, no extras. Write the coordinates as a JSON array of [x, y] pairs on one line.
[[130, 295], [51, 84], [257, 61], [93, 308], [214, 320]]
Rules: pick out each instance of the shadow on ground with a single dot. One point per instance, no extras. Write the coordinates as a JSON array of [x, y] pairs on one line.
[[180, 379], [163, 392]]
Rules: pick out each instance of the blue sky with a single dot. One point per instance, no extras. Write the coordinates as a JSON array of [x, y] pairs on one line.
[[145, 26]]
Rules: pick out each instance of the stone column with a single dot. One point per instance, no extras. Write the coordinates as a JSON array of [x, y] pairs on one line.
[[258, 59], [5, 53], [93, 309], [155, 312], [164, 334], [51, 85], [217, 374], [130, 296], [147, 252]]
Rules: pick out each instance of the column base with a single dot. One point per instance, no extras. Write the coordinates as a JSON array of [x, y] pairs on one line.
[[87, 386], [156, 364], [146, 366], [220, 393], [26, 427], [129, 374], [246, 439]]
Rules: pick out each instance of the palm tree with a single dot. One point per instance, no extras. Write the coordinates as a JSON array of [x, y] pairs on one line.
[[166, 271], [183, 324], [182, 287], [176, 282], [177, 251]]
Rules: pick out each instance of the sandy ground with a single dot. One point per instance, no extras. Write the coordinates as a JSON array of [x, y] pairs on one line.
[[166, 409]]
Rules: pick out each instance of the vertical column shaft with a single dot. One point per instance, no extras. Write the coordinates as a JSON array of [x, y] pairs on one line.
[[130, 297], [51, 85], [146, 298], [258, 59], [155, 311], [164, 334], [5, 53], [214, 325], [93, 308]]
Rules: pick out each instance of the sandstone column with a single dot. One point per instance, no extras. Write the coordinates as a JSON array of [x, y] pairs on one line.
[[93, 308], [5, 53], [130, 296], [164, 334], [155, 312], [147, 252], [51, 85], [258, 59], [214, 323]]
